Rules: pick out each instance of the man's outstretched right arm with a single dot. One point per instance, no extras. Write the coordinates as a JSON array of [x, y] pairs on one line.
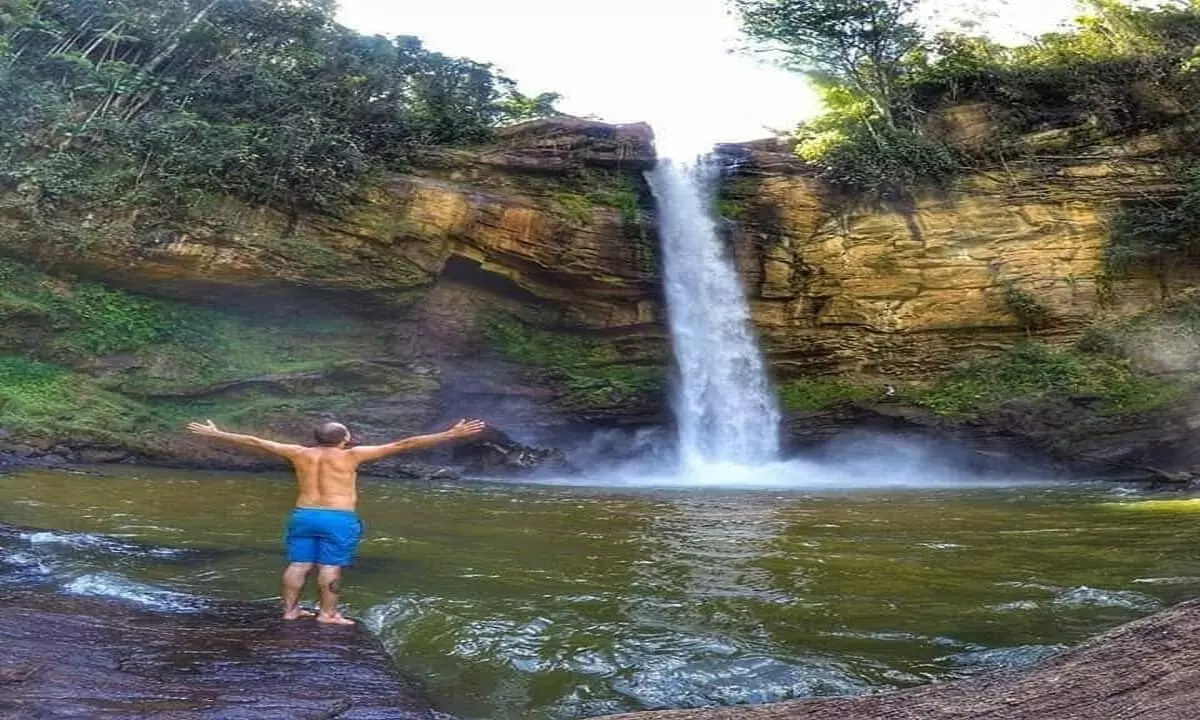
[[464, 429], [210, 430]]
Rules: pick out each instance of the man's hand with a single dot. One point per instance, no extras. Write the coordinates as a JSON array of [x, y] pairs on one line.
[[207, 428], [466, 428]]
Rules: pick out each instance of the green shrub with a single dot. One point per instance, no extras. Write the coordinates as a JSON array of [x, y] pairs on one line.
[[1025, 307], [147, 102], [860, 154], [1119, 68], [731, 209], [1156, 234]]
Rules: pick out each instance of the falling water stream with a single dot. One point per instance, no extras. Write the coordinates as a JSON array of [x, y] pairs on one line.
[[723, 403]]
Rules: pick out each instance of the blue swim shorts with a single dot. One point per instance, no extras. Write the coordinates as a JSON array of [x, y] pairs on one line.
[[323, 536]]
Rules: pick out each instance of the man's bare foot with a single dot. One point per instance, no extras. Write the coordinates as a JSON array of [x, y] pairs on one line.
[[335, 619], [297, 614]]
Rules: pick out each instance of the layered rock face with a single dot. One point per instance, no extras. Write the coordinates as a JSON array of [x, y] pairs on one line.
[[520, 281], [441, 290], [906, 292]]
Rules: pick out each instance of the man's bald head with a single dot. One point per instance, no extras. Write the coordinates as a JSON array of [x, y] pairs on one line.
[[332, 435]]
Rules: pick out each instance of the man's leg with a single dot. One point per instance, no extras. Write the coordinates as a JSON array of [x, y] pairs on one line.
[[293, 583], [329, 584], [302, 550], [335, 552]]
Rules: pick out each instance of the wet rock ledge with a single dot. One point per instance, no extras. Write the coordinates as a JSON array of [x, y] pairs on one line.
[[1148, 669], [86, 658]]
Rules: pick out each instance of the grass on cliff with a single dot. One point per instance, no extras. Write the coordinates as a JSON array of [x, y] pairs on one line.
[[590, 372], [45, 399], [597, 188], [1034, 370], [176, 344], [820, 393], [92, 319], [84, 360], [735, 196]]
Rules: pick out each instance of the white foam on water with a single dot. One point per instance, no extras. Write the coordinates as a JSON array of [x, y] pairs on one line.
[[112, 585], [93, 541], [26, 563], [1084, 596], [1005, 657], [879, 473]]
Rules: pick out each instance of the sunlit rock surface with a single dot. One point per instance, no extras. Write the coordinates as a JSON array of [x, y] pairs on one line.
[[906, 290]]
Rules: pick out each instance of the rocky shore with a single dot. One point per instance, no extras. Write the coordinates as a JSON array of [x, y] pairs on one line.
[[77, 657]]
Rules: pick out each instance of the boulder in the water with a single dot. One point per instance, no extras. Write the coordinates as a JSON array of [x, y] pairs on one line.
[[495, 453]]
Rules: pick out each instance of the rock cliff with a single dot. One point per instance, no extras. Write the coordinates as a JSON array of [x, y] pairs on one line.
[[517, 281], [520, 281], [907, 292]]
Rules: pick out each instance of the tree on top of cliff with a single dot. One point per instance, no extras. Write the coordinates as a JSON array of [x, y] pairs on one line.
[[1119, 69], [268, 100], [857, 43]]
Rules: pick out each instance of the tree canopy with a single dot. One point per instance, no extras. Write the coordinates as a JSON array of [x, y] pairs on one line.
[[268, 100], [861, 44], [882, 71]]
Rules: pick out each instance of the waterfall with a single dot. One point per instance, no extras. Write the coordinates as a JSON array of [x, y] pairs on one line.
[[723, 400]]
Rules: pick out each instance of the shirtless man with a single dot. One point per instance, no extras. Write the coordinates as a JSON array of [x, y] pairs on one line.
[[324, 529]]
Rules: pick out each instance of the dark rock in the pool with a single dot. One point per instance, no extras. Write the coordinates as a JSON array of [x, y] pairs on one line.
[[1146, 669], [495, 453], [71, 657], [13, 456]]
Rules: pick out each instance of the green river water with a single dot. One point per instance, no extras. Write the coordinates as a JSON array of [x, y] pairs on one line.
[[539, 602]]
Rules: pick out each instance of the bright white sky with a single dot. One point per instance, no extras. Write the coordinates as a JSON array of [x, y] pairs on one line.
[[672, 63]]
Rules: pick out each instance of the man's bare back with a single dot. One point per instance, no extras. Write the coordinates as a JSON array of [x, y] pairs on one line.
[[327, 478], [324, 529]]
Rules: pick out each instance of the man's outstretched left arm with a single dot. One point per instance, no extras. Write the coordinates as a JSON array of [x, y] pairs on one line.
[[210, 430], [464, 429]]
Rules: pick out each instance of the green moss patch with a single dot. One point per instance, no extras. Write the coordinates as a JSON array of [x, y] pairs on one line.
[[1034, 370], [590, 372], [821, 393], [91, 319], [44, 399], [90, 362]]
